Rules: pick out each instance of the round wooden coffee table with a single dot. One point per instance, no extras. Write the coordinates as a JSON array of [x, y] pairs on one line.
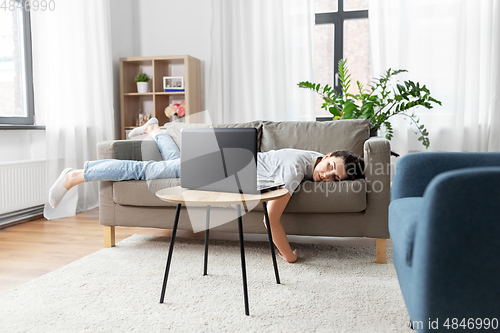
[[182, 196]]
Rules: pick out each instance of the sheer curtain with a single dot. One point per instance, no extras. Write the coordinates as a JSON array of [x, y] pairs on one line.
[[73, 89], [452, 46], [261, 49]]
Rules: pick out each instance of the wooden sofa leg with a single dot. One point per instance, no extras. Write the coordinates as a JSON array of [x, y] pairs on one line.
[[109, 236], [381, 255]]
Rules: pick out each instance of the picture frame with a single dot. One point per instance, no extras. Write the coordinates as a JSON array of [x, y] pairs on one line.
[[173, 83]]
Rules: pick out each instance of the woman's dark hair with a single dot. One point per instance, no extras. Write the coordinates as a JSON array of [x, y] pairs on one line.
[[353, 164]]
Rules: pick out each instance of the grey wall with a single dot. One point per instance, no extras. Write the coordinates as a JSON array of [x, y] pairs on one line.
[[124, 43]]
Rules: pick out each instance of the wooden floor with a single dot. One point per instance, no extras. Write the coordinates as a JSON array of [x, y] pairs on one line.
[[32, 249]]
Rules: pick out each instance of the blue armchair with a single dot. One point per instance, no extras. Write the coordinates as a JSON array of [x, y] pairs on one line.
[[444, 220]]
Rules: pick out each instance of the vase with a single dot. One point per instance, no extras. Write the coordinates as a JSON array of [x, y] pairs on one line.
[[142, 87], [174, 118]]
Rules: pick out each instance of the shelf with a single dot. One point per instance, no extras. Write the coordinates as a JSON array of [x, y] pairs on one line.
[[156, 93], [128, 72], [144, 59], [156, 100], [170, 93], [138, 94]]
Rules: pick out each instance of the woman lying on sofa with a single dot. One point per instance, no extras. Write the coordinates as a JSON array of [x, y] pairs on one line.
[[289, 166]]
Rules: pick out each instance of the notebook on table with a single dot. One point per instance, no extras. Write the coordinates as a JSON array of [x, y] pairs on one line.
[[223, 160]]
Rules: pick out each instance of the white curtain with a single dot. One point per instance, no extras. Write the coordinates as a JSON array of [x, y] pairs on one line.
[[260, 50], [452, 46], [73, 90]]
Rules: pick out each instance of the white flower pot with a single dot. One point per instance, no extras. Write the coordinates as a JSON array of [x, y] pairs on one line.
[[142, 87]]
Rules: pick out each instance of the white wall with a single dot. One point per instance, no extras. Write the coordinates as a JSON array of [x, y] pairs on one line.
[[20, 145], [173, 27], [142, 28]]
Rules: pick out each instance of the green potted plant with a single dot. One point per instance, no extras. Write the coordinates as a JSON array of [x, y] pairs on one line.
[[380, 102], [142, 80]]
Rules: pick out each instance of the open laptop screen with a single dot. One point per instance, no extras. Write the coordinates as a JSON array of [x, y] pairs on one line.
[[219, 159]]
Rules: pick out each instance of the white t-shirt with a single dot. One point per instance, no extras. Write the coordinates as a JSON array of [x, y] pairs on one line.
[[289, 166]]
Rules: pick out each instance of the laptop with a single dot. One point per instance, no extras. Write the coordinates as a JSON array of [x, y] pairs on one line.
[[222, 160]]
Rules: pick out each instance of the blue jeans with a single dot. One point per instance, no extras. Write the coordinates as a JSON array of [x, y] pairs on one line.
[[116, 170]]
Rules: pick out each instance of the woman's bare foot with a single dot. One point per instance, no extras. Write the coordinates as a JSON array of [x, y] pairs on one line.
[[72, 178], [293, 259]]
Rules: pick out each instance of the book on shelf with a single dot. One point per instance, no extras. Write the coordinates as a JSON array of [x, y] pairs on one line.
[[174, 90]]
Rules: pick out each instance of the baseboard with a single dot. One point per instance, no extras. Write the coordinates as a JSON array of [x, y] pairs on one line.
[[21, 216]]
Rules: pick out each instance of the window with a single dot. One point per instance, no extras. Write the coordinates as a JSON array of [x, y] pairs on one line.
[[16, 78], [341, 32]]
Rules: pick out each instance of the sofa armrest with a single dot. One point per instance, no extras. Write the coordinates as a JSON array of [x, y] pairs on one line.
[[377, 164], [138, 150], [415, 171], [377, 153]]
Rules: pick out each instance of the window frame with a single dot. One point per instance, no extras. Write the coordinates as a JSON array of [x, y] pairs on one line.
[[337, 19], [29, 119]]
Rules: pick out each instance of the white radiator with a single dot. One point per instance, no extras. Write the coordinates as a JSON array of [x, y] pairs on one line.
[[22, 185]]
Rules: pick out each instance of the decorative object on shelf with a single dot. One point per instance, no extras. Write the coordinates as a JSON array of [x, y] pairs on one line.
[[176, 111], [382, 101], [142, 118], [142, 80], [173, 83]]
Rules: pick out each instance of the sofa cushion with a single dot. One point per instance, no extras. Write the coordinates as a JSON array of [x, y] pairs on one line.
[[327, 197], [142, 192], [322, 137], [403, 216], [174, 129], [310, 197]]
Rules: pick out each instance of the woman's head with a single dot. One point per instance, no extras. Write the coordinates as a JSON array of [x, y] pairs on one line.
[[339, 165]]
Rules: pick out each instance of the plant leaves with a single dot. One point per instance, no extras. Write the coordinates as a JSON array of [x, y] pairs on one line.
[[334, 111], [384, 100], [348, 110]]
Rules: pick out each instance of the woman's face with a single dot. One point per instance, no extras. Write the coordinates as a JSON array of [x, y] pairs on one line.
[[330, 168]]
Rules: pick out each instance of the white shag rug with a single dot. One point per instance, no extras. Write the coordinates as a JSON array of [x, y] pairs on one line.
[[329, 289]]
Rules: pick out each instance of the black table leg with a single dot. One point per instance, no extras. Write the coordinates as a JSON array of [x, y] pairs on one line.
[[270, 236], [169, 258], [206, 241], [243, 266]]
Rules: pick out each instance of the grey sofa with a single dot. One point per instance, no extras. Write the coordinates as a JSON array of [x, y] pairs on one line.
[[357, 208]]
